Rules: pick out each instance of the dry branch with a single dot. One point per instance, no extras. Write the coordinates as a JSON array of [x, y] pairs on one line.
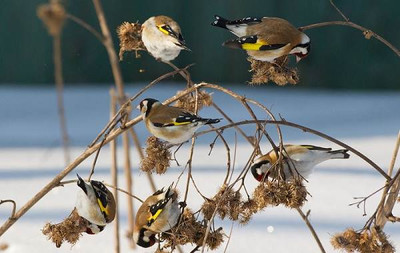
[[114, 173]]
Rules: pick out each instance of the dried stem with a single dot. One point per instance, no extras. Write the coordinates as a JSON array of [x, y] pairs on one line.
[[389, 199], [355, 26], [86, 26], [229, 238], [128, 178], [114, 173], [112, 55], [123, 191], [58, 75], [141, 155], [339, 11], [14, 206], [305, 129], [305, 218]]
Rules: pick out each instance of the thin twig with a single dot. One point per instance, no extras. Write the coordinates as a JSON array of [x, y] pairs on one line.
[[155, 81], [305, 129], [86, 26], [58, 76], [114, 173], [385, 208], [112, 55], [136, 142], [229, 238], [339, 11], [126, 192], [305, 218], [128, 178], [356, 26], [14, 206]]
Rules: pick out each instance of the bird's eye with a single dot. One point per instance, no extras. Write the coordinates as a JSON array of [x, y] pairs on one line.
[[165, 29]]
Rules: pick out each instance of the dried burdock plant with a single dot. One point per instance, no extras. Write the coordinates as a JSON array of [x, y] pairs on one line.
[[291, 193], [130, 39], [68, 230], [192, 231], [247, 209], [157, 156], [53, 16], [228, 203], [188, 102], [278, 72], [368, 240]]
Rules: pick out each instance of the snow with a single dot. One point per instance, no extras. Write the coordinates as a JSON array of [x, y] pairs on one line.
[[30, 157]]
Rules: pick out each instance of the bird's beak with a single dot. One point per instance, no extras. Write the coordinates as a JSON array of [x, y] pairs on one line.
[[81, 183], [138, 107], [298, 58]]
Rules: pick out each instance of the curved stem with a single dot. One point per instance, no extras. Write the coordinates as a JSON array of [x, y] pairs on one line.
[[14, 206], [86, 26], [355, 26], [305, 218], [305, 129]]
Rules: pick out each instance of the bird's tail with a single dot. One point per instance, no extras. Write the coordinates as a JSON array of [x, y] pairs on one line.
[[220, 22], [211, 121], [339, 154]]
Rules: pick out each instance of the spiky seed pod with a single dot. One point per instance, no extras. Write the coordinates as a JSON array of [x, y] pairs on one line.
[[292, 194], [53, 16], [68, 230], [263, 72], [247, 209], [188, 102], [192, 231], [130, 38], [208, 208], [365, 241], [157, 156]]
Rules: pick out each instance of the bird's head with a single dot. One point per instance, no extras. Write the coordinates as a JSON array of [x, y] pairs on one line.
[[302, 49], [171, 29], [144, 238], [81, 183], [260, 167], [146, 105]]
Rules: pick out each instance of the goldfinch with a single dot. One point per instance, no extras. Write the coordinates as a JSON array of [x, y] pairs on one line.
[[159, 213], [265, 39], [162, 37], [303, 158], [96, 204], [169, 123]]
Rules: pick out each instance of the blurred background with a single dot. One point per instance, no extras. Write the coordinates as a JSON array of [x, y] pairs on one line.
[[340, 58]]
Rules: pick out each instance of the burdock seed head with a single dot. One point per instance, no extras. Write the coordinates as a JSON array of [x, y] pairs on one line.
[[247, 209], [190, 230], [263, 72], [53, 16], [188, 102], [292, 194], [130, 38], [157, 156], [368, 240], [68, 230]]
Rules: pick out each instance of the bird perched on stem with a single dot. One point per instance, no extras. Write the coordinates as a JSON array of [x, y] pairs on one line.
[[169, 123], [265, 39], [162, 37], [96, 204], [296, 159], [158, 213]]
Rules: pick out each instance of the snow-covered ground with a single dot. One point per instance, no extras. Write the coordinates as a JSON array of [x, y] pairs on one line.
[[30, 157]]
